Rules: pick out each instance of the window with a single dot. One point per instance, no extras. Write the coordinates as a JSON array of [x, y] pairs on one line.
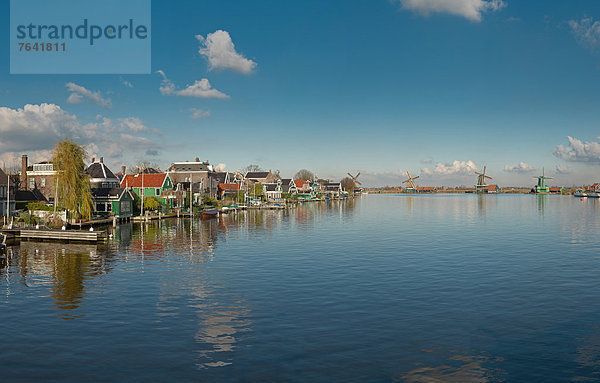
[[32, 183], [100, 206], [108, 206], [157, 192], [43, 182]]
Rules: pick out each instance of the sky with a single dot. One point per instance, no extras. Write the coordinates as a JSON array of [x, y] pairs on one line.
[[440, 88]]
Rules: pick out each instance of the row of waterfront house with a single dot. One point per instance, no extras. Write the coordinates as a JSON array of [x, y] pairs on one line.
[[183, 184]]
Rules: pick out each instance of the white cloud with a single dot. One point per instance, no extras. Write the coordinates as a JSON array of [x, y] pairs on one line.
[[125, 82], [79, 93], [454, 168], [219, 50], [199, 89], [199, 113], [134, 124], [470, 9], [563, 169], [521, 167], [579, 151], [220, 167], [35, 129], [587, 32]]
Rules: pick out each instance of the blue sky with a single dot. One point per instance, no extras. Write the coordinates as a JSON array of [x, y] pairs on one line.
[[435, 87]]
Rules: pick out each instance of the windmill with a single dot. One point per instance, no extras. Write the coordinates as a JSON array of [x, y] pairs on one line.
[[356, 181], [411, 188], [541, 186], [481, 186]]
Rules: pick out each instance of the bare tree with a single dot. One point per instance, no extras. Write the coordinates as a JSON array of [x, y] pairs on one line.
[[305, 175], [144, 167], [252, 168]]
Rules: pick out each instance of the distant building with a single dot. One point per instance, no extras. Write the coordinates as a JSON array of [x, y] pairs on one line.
[[39, 178], [262, 177], [302, 186], [426, 189], [492, 189], [155, 185], [7, 196], [101, 177], [557, 190], [109, 197], [199, 173], [228, 190]]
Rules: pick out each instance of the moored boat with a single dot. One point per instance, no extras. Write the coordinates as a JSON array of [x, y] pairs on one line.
[[209, 213]]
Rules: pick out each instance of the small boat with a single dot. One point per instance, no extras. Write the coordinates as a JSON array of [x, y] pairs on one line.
[[209, 213], [580, 193]]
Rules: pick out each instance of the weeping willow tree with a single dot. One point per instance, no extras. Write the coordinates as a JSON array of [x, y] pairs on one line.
[[73, 183]]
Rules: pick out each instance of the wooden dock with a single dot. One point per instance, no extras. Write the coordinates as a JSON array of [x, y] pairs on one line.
[[63, 235]]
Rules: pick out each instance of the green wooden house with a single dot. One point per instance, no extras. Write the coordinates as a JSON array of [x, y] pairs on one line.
[[150, 185]]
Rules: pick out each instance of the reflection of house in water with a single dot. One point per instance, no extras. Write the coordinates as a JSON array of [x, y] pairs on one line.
[[220, 324], [68, 265]]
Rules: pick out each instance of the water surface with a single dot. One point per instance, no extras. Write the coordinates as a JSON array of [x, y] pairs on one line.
[[384, 288]]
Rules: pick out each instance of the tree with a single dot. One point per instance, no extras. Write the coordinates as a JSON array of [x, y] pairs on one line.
[[145, 167], [151, 203], [348, 184], [73, 183], [305, 175], [257, 189], [252, 168]]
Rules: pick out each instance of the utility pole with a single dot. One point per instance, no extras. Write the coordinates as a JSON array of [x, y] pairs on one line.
[[191, 194], [8, 198], [142, 193]]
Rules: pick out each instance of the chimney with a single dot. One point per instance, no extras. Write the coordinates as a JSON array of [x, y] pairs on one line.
[[197, 159], [24, 184], [123, 169], [101, 160]]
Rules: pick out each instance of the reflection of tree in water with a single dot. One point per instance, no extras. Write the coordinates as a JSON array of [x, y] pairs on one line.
[[69, 265], [457, 367]]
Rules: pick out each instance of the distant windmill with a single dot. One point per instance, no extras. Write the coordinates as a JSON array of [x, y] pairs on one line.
[[412, 188], [541, 186], [481, 181], [355, 178]]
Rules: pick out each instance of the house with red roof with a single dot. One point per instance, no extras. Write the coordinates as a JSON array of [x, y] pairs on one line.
[[302, 186], [229, 189], [156, 185]]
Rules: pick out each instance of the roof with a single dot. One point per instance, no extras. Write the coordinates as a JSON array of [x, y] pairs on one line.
[[190, 167], [300, 183], [555, 188], [107, 192], [229, 186], [271, 187], [219, 177], [3, 178], [99, 170], [492, 187], [426, 188], [29, 195], [154, 180], [257, 174], [286, 181]]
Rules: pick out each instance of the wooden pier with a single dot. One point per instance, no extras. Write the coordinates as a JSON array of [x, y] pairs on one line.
[[60, 235]]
